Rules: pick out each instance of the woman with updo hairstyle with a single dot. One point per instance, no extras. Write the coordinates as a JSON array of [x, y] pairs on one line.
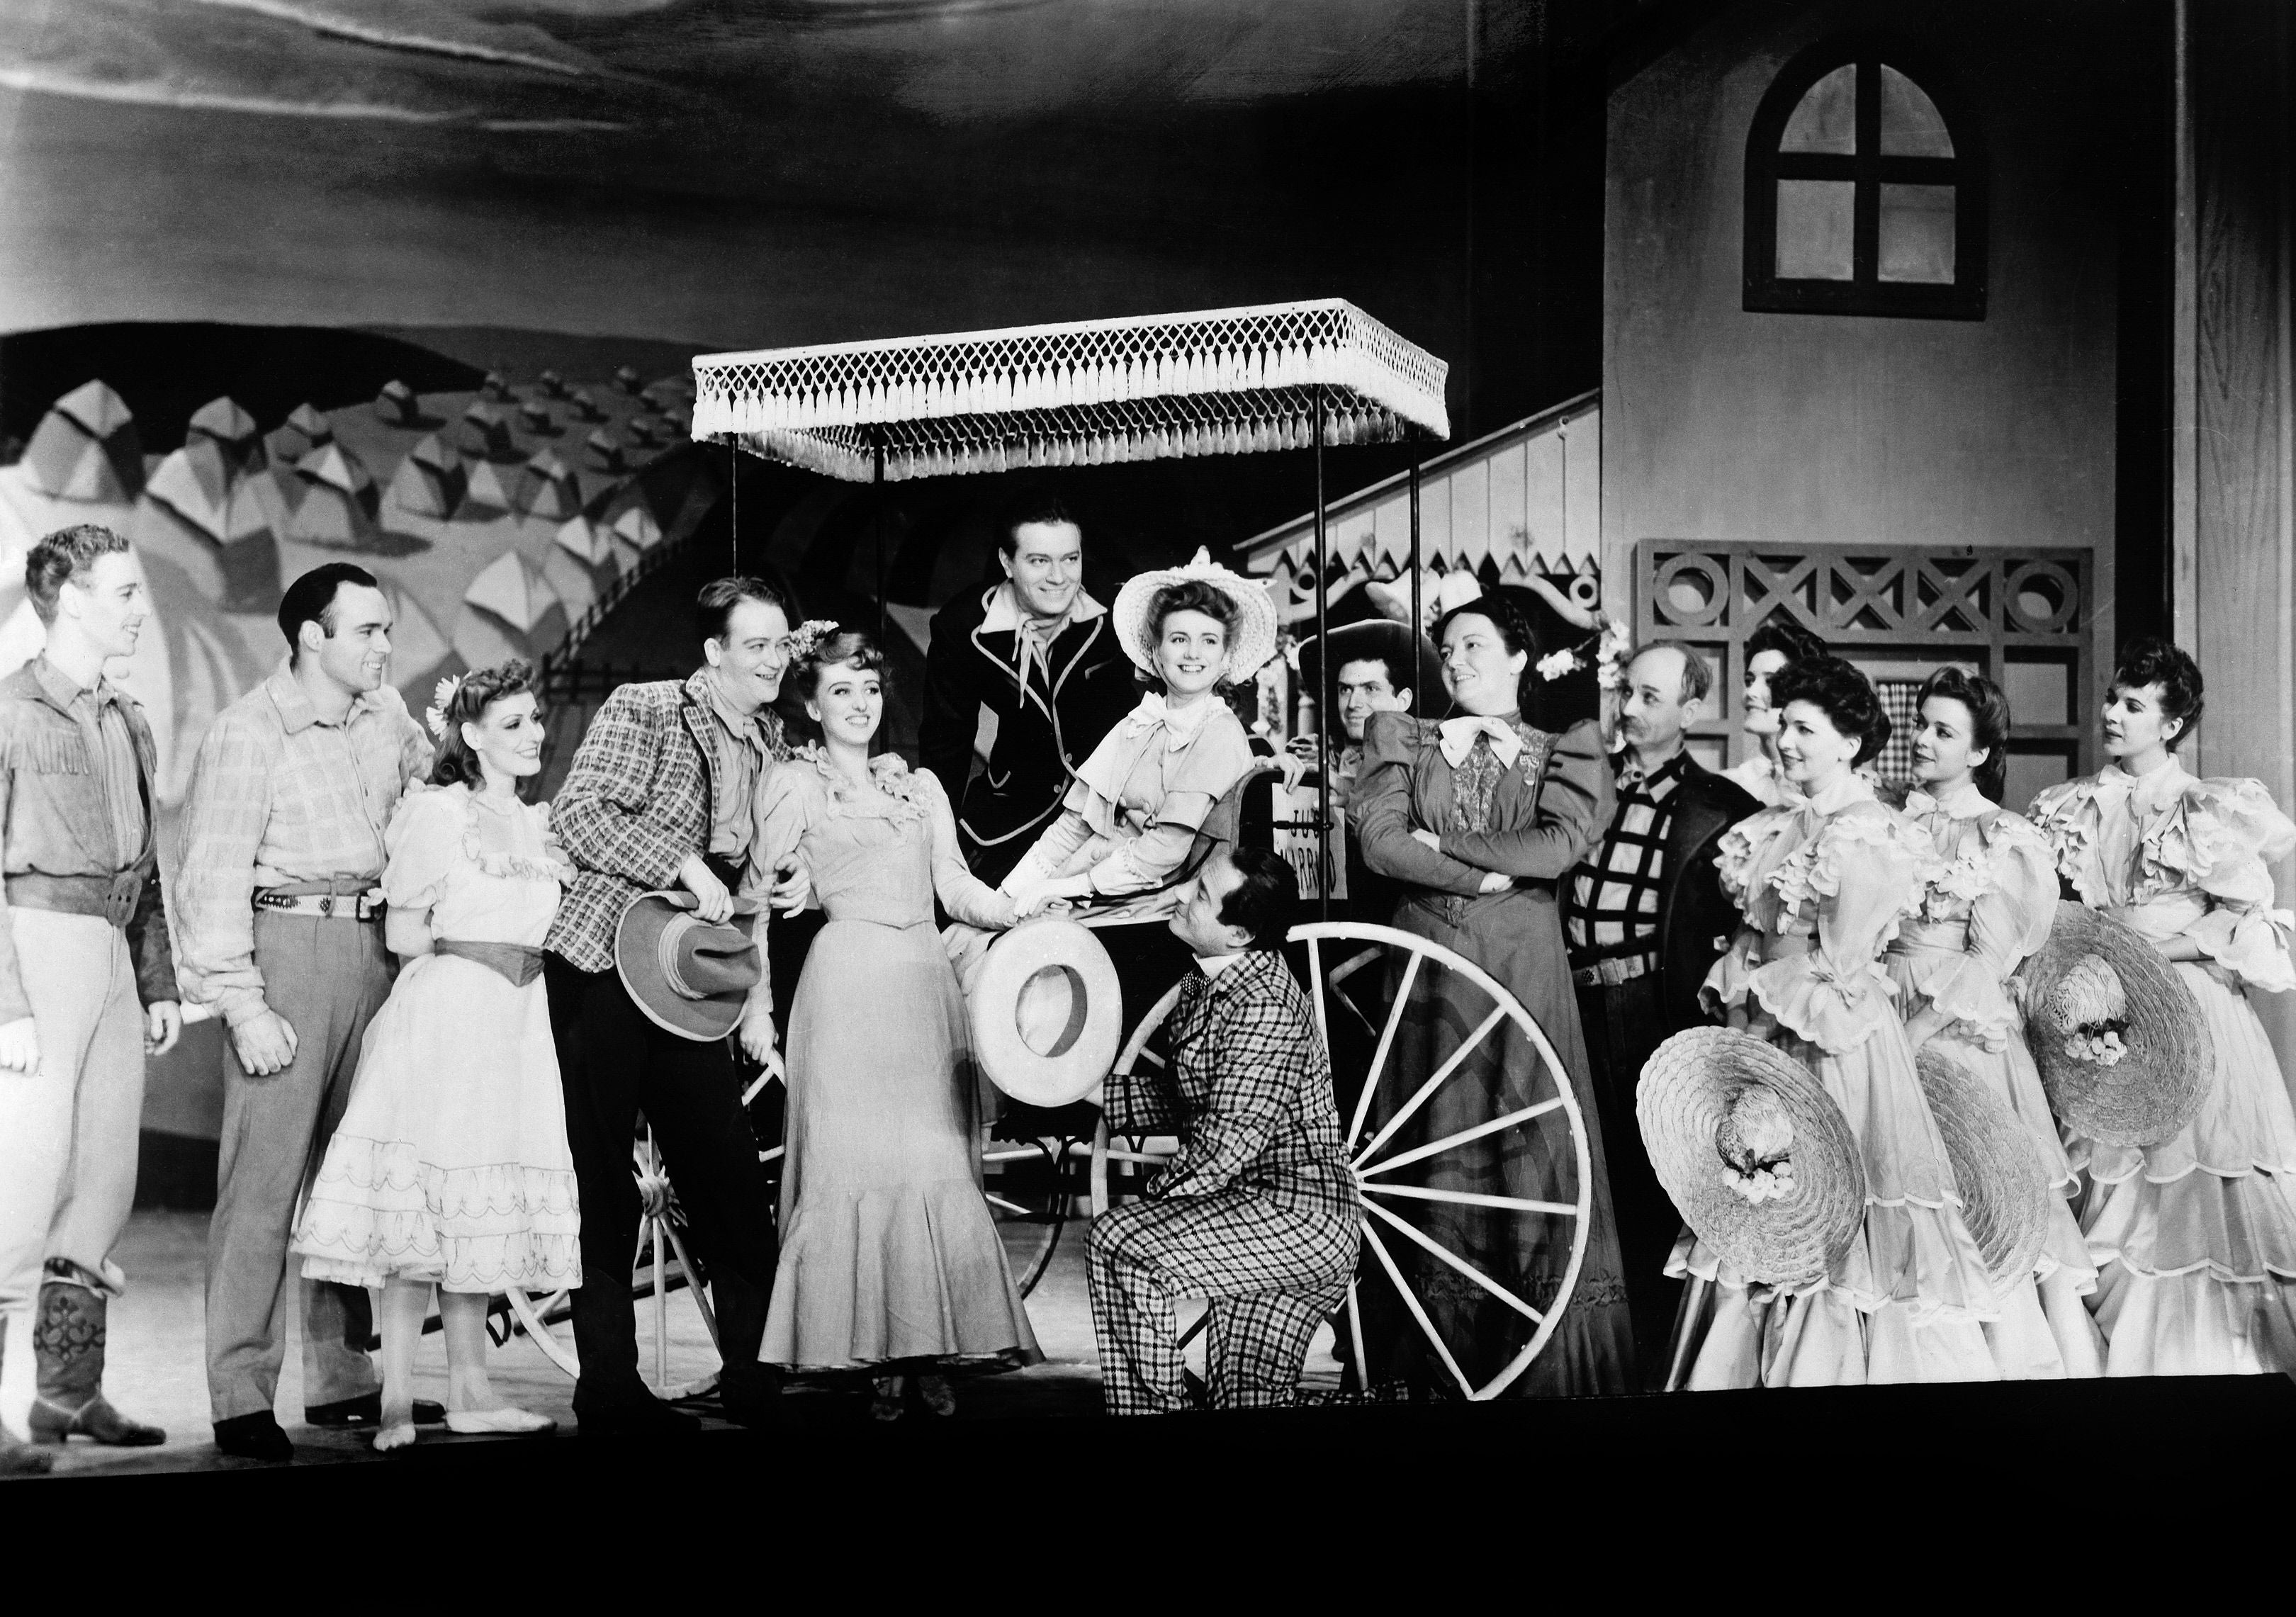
[[1823, 881], [1775, 646], [1477, 818], [450, 1168], [1986, 906], [2194, 1236], [1130, 818], [890, 1265]]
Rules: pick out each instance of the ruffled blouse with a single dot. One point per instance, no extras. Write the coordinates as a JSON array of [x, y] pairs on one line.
[[1824, 883], [1132, 813], [488, 871], [1984, 906], [2174, 855]]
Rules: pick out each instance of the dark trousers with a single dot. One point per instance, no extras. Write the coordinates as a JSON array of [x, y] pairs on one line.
[[614, 1064], [1623, 1025]]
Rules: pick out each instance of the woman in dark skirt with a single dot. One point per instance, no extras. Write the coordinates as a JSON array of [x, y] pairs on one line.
[[1479, 816]]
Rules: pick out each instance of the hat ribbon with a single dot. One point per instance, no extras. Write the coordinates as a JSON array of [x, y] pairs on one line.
[[1458, 739]]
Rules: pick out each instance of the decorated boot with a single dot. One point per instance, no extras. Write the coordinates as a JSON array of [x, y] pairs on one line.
[[17, 1458], [67, 1345]]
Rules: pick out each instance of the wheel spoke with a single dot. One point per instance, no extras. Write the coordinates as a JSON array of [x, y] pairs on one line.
[[1354, 1334], [1017, 1154], [1197, 1329], [1136, 1156], [1467, 1198], [1411, 1302], [1379, 1056], [1316, 976], [1435, 1082], [1463, 1136], [1015, 1208], [1459, 1263], [1349, 967], [693, 1287], [767, 1156], [751, 1093]]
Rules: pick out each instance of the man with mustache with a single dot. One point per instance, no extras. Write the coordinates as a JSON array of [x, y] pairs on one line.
[[1643, 918], [279, 919]]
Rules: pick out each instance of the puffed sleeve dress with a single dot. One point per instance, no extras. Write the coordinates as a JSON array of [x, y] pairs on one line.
[[2194, 1239], [1531, 819], [1823, 883]]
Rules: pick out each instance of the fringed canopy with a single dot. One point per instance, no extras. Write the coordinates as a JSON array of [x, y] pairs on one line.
[[1217, 381]]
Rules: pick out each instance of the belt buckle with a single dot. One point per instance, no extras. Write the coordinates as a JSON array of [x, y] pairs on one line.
[[119, 903]]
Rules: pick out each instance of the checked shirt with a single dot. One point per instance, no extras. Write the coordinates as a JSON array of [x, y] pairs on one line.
[[1615, 893]]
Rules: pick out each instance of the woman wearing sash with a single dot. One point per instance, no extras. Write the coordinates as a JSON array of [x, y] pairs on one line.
[[450, 1167]]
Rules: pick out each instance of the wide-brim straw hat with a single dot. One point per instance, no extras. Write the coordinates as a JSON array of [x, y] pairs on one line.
[[1418, 667], [688, 976], [2004, 1189], [2159, 1083], [1686, 1092], [1046, 1012], [1255, 612]]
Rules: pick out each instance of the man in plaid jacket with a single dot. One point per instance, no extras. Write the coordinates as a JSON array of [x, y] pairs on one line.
[[662, 795], [1259, 1212]]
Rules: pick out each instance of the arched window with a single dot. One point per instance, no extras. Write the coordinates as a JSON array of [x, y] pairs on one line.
[[1865, 190]]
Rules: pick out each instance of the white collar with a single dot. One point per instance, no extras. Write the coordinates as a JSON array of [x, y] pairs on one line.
[[1851, 788], [1961, 802], [1004, 613], [2152, 790], [1180, 724], [1213, 965], [1458, 738]]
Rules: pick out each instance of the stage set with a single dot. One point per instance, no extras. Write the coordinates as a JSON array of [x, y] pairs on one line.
[[1541, 854]]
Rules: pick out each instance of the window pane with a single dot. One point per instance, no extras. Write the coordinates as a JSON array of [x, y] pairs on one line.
[[1826, 120], [1917, 233], [1910, 124], [1815, 222]]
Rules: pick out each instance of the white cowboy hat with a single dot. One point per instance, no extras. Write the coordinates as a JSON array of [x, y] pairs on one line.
[[1046, 1012], [1255, 613]]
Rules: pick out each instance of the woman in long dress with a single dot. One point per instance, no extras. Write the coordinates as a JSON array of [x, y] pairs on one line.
[[2194, 1239], [450, 1167], [1479, 816], [890, 1263], [1823, 883], [1983, 909]]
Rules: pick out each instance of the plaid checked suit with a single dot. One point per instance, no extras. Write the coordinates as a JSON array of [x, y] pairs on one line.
[[636, 804], [1257, 1212]]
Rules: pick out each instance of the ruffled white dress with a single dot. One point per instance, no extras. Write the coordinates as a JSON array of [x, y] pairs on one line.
[[1823, 883], [1983, 910], [451, 1162], [2194, 1239]]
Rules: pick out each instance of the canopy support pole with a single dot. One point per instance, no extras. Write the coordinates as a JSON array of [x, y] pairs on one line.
[[877, 523], [1323, 719], [1419, 698]]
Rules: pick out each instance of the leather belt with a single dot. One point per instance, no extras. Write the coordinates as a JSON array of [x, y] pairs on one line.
[[1619, 968], [113, 897], [354, 906]]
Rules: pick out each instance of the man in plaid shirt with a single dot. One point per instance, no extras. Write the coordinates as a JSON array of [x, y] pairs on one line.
[[1644, 917], [1258, 1212], [661, 794], [279, 929]]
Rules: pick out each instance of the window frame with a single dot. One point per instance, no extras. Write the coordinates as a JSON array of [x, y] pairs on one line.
[[1866, 293]]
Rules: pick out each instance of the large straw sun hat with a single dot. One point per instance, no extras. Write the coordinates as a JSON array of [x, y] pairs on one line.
[[1045, 1011], [1255, 613], [2123, 1050], [2004, 1189], [1758, 1157]]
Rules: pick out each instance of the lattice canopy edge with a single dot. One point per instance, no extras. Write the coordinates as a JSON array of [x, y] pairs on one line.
[[1223, 382]]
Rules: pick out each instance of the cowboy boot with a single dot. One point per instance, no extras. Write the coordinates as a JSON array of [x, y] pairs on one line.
[[17, 1458], [68, 1349]]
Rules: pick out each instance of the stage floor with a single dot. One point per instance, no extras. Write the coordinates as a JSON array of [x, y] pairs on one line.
[[157, 1363]]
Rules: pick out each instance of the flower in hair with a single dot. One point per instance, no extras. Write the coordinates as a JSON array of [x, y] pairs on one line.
[[435, 715], [810, 636]]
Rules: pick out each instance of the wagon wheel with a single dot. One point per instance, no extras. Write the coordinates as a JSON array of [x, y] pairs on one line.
[[1336, 993], [663, 1268]]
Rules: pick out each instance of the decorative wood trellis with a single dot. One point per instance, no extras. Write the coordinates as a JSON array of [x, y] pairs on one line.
[[2021, 616]]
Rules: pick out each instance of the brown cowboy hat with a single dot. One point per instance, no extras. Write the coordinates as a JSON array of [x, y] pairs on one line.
[[1420, 668], [2096, 976], [1716, 1105], [689, 976]]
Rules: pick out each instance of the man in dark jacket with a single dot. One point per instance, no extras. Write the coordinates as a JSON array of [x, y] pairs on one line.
[[1644, 917], [1041, 656]]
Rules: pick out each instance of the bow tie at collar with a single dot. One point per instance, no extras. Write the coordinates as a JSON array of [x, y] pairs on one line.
[[1962, 802], [1458, 739], [1180, 724], [2145, 792]]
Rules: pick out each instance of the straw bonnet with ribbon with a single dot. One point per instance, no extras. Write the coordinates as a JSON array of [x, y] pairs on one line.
[[1757, 1156], [2123, 1050], [1044, 1011], [2004, 1188], [1254, 639], [689, 976]]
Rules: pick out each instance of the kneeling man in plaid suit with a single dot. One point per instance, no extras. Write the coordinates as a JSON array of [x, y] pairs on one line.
[[1257, 1212]]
